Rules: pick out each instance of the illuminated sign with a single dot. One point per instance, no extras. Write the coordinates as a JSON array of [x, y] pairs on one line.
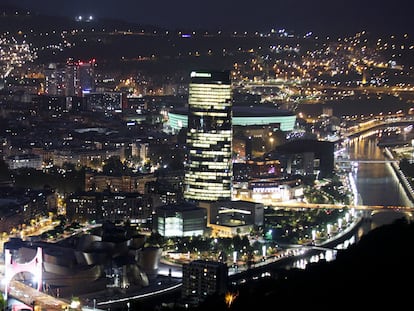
[[195, 74]]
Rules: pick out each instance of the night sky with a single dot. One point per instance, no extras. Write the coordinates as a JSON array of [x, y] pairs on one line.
[[299, 15]]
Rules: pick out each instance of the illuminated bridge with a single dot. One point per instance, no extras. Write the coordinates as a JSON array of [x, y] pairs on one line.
[[365, 161], [301, 205], [32, 298], [29, 297]]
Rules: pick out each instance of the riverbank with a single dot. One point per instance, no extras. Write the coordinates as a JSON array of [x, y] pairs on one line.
[[408, 187]]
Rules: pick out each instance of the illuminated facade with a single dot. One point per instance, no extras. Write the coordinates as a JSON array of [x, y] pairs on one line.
[[230, 218], [108, 102], [257, 129], [25, 160], [184, 219], [242, 116], [208, 173]]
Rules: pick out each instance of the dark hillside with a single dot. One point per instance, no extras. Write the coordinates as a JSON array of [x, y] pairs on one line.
[[376, 272]]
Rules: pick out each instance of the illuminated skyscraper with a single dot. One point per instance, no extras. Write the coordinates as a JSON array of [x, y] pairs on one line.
[[208, 170]]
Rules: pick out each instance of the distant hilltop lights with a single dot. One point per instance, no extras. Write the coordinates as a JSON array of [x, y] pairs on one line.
[[281, 32], [81, 18]]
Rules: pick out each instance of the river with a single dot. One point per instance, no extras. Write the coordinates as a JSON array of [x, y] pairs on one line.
[[376, 183]]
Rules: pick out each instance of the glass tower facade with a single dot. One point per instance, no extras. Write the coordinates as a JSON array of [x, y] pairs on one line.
[[209, 173]]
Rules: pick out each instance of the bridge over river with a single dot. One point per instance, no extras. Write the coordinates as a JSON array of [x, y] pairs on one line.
[[339, 160], [301, 205]]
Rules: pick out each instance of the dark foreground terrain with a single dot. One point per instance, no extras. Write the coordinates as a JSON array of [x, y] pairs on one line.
[[375, 273]]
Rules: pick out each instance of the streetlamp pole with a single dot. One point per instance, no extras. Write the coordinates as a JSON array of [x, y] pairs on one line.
[[412, 150]]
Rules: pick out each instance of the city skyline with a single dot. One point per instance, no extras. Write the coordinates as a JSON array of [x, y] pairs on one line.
[[223, 146], [319, 16]]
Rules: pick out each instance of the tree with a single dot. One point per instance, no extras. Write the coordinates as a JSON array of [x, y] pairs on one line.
[[155, 239], [3, 304], [113, 166], [4, 170]]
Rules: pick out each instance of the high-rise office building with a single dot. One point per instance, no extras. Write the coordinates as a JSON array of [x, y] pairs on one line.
[[80, 77], [208, 169], [85, 77]]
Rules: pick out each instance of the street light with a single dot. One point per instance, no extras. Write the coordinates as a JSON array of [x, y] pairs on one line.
[[75, 304], [412, 152]]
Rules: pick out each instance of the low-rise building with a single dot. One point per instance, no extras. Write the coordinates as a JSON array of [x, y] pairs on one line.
[[181, 219]]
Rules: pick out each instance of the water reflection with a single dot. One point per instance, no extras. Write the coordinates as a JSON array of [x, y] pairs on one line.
[[327, 255], [377, 183]]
